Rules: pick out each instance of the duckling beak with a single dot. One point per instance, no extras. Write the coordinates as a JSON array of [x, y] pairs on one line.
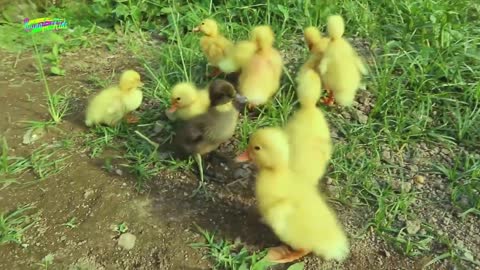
[[196, 29], [140, 84], [173, 108], [243, 157]]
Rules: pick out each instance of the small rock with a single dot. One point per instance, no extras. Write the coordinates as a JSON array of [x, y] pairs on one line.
[[32, 135], [329, 181], [413, 226], [241, 173], [127, 241], [387, 254], [406, 187], [386, 156], [419, 179], [119, 172], [361, 118], [413, 168], [346, 115], [87, 193]]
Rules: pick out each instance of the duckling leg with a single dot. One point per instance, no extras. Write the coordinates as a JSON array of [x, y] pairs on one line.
[[198, 159], [283, 254], [329, 100], [215, 72], [131, 119]]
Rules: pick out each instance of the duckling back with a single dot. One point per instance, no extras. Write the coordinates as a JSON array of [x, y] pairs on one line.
[[260, 78], [308, 130], [205, 132], [341, 68], [105, 108]]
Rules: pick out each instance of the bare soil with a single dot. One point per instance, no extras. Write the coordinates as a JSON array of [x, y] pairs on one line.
[[163, 217]]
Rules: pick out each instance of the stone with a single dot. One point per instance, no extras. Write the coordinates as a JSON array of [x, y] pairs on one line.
[[413, 226], [127, 241], [419, 179], [241, 173]]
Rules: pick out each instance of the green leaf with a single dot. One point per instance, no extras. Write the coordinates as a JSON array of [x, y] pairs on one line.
[[262, 264], [243, 266], [122, 10], [297, 266], [57, 71], [55, 50]]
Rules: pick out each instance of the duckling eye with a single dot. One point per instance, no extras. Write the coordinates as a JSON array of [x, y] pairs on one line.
[[256, 148], [203, 23], [178, 98]]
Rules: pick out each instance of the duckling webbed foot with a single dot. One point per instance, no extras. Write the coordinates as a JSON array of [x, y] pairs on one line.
[[329, 100], [131, 119], [283, 254], [215, 72]]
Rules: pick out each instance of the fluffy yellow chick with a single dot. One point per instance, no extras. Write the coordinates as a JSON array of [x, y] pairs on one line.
[[295, 211], [112, 104], [316, 45], [187, 101], [214, 45], [341, 68], [308, 131], [261, 66]]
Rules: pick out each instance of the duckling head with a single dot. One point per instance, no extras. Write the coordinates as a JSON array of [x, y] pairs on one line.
[[208, 27], [183, 94], [308, 88], [314, 40], [221, 92], [129, 80], [267, 148]]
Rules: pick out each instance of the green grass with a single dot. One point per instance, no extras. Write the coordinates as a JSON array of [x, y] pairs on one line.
[[227, 255], [14, 224]]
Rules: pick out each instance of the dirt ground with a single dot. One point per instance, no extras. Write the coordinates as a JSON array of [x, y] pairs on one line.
[[161, 217]]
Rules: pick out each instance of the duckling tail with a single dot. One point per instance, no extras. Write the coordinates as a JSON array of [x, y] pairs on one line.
[[263, 36], [335, 26]]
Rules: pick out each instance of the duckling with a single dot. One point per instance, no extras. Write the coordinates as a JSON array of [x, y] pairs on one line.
[[341, 67], [295, 211], [204, 133], [261, 66], [112, 104], [308, 131], [316, 45], [213, 44], [187, 101]]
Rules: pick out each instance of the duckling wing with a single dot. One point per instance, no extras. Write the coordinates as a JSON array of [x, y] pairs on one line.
[[190, 133]]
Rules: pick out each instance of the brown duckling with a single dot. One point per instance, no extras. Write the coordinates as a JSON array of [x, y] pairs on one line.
[[204, 133]]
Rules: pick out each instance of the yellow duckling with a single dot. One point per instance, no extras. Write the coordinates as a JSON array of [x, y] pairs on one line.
[[316, 45], [213, 44], [112, 104], [308, 132], [187, 101], [261, 66], [295, 211], [341, 68]]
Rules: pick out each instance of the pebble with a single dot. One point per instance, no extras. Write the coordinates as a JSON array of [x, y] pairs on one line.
[[119, 172], [127, 241], [346, 115], [241, 173], [386, 155], [87, 193], [419, 179], [413, 226], [361, 118], [329, 181]]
